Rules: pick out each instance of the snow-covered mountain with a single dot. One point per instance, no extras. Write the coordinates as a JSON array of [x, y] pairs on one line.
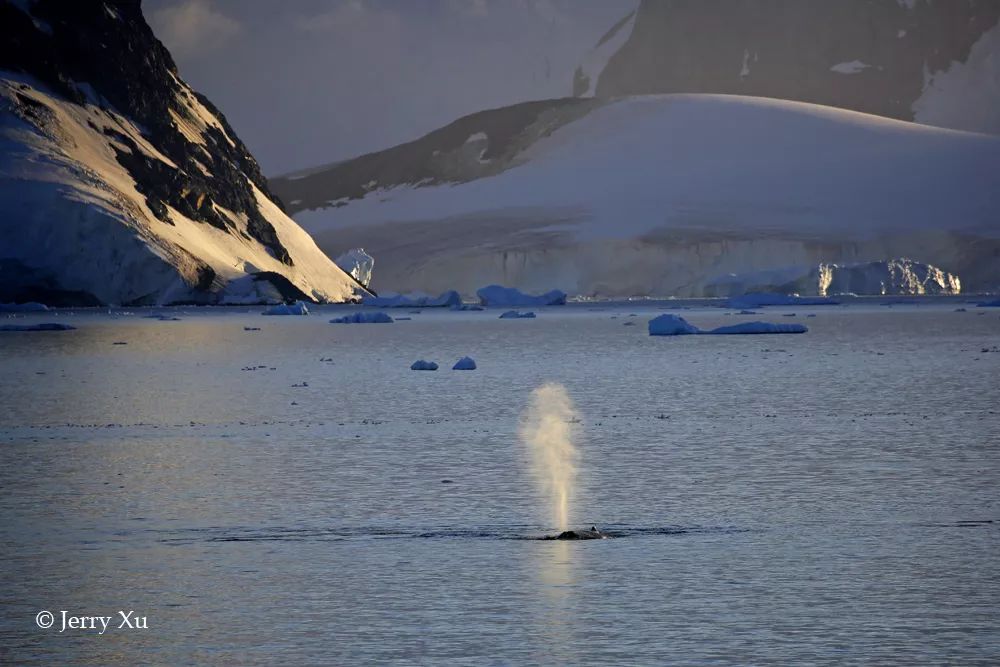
[[121, 185], [658, 195], [933, 61]]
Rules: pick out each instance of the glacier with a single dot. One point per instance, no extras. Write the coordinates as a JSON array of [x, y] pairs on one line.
[[659, 195]]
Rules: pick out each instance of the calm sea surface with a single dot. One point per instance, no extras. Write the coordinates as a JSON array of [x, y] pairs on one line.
[[296, 495]]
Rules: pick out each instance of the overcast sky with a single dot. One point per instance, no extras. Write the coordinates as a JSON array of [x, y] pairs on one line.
[[306, 82]]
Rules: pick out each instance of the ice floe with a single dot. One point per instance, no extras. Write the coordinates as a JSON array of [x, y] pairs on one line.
[[498, 295], [297, 308], [414, 300], [464, 364], [45, 326], [674, 325], [363, 318]]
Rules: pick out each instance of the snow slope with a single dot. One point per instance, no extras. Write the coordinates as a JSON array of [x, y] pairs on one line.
[[121, 185], [659, 194]]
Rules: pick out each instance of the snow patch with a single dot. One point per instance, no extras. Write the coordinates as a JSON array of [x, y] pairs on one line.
[[966, 95], [597, 59], [852, 67]]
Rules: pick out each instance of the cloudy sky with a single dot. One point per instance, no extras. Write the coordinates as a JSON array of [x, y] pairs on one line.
[[309, 82]]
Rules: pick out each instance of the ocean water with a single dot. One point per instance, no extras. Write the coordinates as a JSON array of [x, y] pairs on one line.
[[296, 495]]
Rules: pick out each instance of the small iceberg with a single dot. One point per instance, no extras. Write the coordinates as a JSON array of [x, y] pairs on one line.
[[758, 328], [45, 326], [29, 307], [674, 325], [363, 318], [421, 365], [760, 299], [464, 364], [515, 315], [297, 308], [498, 295], [414, 300], [671, 325]]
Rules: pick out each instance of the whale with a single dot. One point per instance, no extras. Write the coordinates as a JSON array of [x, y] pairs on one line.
[[587, 534]]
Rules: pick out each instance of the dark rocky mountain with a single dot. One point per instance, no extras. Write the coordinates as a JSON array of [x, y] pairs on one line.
[[89, 90], [474, 146], [882, 57]]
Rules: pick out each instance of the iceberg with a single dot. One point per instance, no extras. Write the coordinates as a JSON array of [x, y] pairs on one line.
[[674, 325], [759, 299], [498, 295], [297, 308], [363, 318], [758, 328], [421, 365], [29, 307], [358, 264], [45, 326], [464, 364], [671, 325], [414, 300], [514, 315]]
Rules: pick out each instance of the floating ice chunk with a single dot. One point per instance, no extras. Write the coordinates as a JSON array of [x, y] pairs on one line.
[[758, 299], [45, 326], [674, 325], [515, 315], [464, 364], [498, 295], [363, 318], [414, 300], [29, 307], [421, 365], [297, 308], [759, 328], [671, 325], [358, 264]]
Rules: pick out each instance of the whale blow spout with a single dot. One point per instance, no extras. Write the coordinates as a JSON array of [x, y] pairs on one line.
[[548, 428]]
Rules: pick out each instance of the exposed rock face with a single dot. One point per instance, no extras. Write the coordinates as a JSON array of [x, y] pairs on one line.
[[120, 184], [881, 57], [474, 146]]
